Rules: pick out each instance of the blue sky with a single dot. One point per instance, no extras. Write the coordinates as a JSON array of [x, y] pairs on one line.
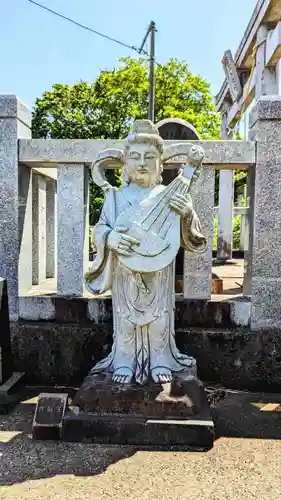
[[39, 49]]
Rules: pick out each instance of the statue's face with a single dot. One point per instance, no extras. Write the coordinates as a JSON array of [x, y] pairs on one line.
[[142, 163]]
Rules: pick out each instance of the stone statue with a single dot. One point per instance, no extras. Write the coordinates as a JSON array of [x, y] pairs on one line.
[[137, 237]]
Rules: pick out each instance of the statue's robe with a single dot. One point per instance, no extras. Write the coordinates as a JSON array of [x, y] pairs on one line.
[[143, 304]]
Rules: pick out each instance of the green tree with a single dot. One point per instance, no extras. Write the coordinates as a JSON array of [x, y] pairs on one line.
[[106, 108]]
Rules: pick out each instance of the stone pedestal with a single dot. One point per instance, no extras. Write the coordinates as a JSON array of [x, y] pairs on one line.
[[172, 414]]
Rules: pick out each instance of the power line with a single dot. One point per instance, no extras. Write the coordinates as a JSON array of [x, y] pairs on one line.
[[88, 28]]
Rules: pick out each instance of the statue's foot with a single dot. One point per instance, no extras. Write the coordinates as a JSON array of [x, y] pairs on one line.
[[161, 375], [122, 375]]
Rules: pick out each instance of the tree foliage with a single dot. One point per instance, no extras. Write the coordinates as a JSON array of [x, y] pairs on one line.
[[106, 108]]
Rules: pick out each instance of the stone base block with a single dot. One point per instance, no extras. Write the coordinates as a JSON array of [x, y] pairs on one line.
[[172, 414], [10, 392]]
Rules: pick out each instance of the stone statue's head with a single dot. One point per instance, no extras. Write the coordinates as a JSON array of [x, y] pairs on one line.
[[142, 155]]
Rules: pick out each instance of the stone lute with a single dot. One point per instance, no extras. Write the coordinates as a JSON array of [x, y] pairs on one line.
[[156, 225]]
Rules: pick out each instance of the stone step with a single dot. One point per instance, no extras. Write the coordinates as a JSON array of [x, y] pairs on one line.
[[120, 429]]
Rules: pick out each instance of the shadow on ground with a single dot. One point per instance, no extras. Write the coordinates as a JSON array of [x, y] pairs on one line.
[[237, 415], [245, 415], [24, 459]]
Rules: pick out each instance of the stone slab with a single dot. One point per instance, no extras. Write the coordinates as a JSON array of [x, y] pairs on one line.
[[48, 416], [52, 151], [175, 414]]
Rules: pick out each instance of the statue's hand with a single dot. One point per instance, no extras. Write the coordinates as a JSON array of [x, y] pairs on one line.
[[120, 242], [181, 204]]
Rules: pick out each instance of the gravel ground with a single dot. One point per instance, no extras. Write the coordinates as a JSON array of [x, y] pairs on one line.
[[234, 469]]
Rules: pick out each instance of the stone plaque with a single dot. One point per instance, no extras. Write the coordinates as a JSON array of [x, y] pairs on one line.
[[48, 416], [231, 76]]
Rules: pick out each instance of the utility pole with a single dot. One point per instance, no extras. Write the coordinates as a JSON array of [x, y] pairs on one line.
[[151, 97], [151, 101]]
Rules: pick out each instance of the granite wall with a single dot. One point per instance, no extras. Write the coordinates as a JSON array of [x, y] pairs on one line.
[[62, 354], [62, 350]]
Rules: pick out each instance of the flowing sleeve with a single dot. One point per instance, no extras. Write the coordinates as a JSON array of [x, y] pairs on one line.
[[99, 278], [192, 238]]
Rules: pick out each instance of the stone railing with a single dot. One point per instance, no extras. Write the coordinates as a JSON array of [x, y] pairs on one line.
[[44, 208], [44, 193]]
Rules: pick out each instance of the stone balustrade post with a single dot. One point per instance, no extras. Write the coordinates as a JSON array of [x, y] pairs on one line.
[[244, 229], [197, 282], [15, 202], [226, 196], [225, 215], [265, 124], [39, 205], [72, 228], [51, 230]]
